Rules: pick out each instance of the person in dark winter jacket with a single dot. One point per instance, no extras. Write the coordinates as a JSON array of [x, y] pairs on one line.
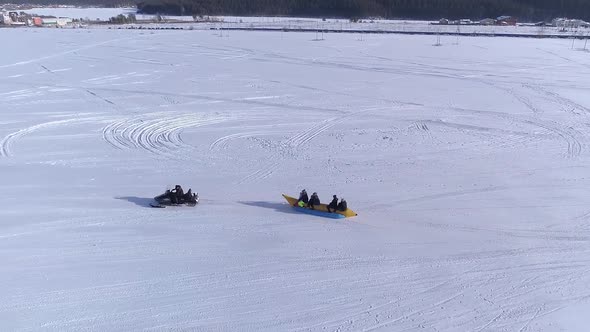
[[177, 194], [303, 197], [333, 204], [313, 200], [189, 197], [342, 206]]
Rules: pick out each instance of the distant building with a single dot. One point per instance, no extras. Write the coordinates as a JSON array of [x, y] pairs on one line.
[[568, 23], [5, 18], [506, 20], [63, 21], [487, 21], [558, 22], [53, 21], [49, 21], [15, 18], [443, 21]]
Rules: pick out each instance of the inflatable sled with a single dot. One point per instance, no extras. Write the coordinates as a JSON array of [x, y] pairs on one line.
[[320, 210]]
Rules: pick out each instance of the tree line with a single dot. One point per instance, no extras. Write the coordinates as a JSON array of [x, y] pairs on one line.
[[525, 10]]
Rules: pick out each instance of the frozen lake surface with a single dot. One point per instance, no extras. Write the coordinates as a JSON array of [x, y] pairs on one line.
[[467, 164], [102, 14]]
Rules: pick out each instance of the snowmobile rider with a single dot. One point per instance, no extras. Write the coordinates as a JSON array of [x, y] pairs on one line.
[[342, 206], [333, 204], [177, 194], [189, 196], [303, 199], [313, 201]]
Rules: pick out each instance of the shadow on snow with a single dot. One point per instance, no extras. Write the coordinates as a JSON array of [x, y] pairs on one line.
[[281, 207], [141, 201]]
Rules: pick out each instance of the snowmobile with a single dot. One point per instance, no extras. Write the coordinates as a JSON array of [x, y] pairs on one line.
[[169, 198]]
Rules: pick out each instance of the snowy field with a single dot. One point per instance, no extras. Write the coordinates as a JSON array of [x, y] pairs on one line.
[[401, 26], [378, 25], [467, 164], [102, 14], [296, 23]]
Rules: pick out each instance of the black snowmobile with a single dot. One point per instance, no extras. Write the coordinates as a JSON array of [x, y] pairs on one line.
[[176, 197]]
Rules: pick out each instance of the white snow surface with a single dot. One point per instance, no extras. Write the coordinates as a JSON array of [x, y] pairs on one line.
[[366, 25], [467, 164], [102, 14]]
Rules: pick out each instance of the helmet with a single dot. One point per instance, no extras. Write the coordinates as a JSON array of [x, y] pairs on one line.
[[314, 193], [334, 196]]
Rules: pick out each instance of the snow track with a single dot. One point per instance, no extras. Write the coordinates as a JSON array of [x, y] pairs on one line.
[[296, 142], [10, 139], [574, 139], [567, 104], [63, 53], [158, 133], [467, 166], [293, 143], [222, 142], [307, 135]]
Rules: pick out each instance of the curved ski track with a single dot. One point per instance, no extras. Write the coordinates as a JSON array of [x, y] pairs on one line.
[[158, 133], [292, 143], [567, 133], [568, 104], [570, 135], [296, 141], [8, 140], [222, 142]]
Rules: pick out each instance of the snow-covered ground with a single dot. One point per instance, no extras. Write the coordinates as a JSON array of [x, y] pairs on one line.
[[402, 26], [389, 25], [467, 163], [102, 14], [296, 23]]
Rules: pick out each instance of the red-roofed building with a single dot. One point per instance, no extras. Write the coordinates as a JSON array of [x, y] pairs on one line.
[[506, 20]]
